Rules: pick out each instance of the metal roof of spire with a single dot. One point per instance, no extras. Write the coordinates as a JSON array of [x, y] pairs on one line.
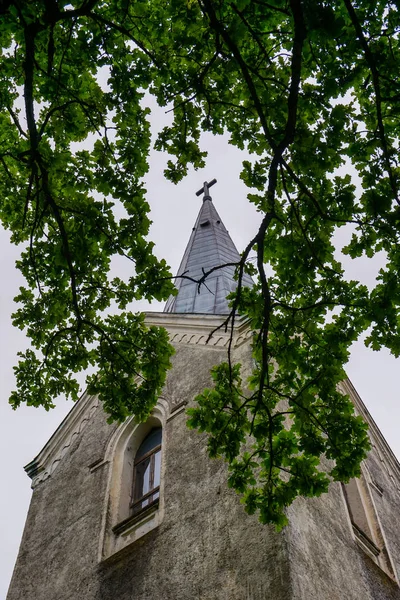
[[210, 245]]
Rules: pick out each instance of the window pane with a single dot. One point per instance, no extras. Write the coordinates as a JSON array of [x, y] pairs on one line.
[[142, 478], [147, 471], [157, 468], [151, 441]]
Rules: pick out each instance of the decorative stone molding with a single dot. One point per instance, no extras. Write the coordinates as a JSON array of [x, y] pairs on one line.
[[201, 330], [378, 442], [48, 459], [177, 409]]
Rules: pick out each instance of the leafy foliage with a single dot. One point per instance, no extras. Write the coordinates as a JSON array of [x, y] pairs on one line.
[[61, 199], [305, 87]]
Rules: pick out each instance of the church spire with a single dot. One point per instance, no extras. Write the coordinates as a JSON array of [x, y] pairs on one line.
[[210, 245]]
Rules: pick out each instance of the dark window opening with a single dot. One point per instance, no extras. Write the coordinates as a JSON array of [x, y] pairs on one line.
[[146, 473]]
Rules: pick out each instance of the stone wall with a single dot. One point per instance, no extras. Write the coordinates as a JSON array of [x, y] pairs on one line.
[[205, 547]]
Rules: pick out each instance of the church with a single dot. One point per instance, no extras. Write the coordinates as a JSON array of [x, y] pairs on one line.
[[138, 511]]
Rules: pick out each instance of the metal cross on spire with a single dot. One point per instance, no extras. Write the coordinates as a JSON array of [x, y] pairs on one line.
[[205, 189], [209, 248]]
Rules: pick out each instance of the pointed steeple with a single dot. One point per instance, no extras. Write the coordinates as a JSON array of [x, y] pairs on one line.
[[210, 245]]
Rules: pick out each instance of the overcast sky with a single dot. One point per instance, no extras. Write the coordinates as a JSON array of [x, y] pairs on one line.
[[174, 211]]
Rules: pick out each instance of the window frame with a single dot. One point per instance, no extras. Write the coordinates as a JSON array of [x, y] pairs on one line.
[[136, 501]]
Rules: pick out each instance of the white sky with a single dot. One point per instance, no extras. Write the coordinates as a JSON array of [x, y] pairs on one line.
[[174, 211]]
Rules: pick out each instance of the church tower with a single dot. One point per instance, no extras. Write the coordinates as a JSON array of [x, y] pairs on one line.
[[139, 511]]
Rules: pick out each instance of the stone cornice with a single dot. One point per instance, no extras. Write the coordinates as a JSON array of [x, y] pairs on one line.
[[196, 329], [379, 444], [43, 465]]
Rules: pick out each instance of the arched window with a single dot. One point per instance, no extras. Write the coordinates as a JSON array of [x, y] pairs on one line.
[[134, 503], [146, 472]]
